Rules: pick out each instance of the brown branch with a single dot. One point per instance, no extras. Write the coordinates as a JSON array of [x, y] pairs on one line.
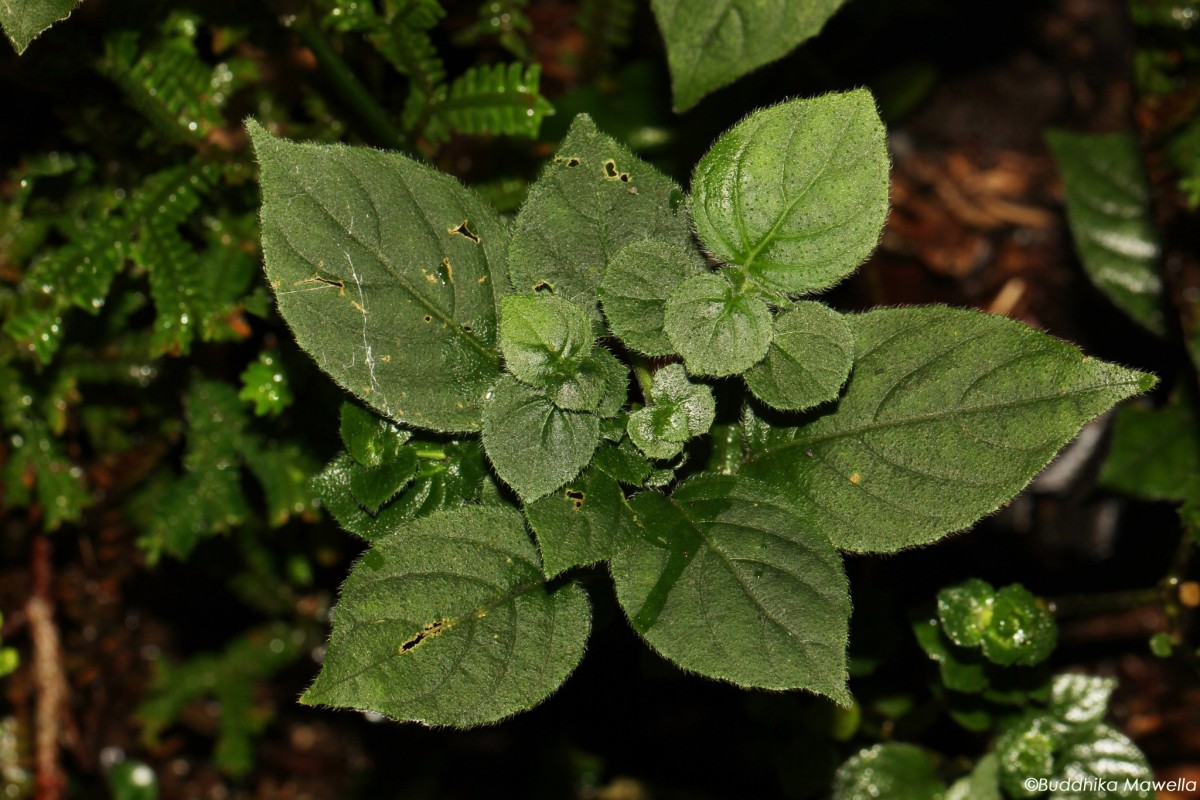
[[49, 681]]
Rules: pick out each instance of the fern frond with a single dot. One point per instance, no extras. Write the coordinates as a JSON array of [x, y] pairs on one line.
[[168, 82], [605, 25], [506, 21], [501, 99], [172, 267], [401, 36]]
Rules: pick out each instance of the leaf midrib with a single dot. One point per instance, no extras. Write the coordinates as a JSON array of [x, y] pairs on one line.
[[850, 432], [448, 321]]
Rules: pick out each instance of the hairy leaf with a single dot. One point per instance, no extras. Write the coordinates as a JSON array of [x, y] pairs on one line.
[[595, 198], [388, 273], [534, 446], [451, 624], [725, 580], [586, 522], [1108, 207], [711, 44], [947, 415], [895, 770], [812, 349], [453, 478], [796, 194], [677, 410], [547, 343], [24, 20], [370, 439], [636, 286], [718, 329]]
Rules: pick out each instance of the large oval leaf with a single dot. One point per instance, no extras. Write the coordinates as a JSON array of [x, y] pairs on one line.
[[727, 581], [451, 623], [713, 42], [797, 194], [1108, 206], [948, 414], [388, 273]]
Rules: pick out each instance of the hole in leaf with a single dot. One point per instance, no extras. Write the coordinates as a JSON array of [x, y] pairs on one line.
[[428, 318], [610, 169], [543, 287], [625, 177], [467, 327], [462, 230], [571, 162], [576, 497], [428, 632]]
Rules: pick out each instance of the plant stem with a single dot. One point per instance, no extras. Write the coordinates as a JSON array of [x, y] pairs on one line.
[[641, 371], [349, 89], [1086, 605]]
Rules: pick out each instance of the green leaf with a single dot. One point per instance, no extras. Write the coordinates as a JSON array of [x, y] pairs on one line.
[[947, 415], [595, 198], [451, 624], [1154, 453], [374, 486], [547, 343], [24, 20], [1026, 753], [982, 784], [265, 384], [454, 478], [587, 522], [726, 581], [960, 670], [678, 410], [1108, 208], [616, 383], [895, 771], [966, 611], [388, 273], [1105, 755], [812, 349], [534, 446], [1080, 701], [796, 194], [718, 329], [1021, 630], [711, 44], [500, 99], [635, 289], [370, 439]]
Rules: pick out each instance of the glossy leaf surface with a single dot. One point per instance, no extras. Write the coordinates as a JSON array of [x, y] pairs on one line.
[[1108, 207]]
